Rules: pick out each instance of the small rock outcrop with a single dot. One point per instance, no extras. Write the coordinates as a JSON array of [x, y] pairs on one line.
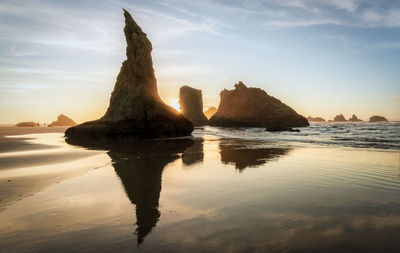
[[27, 124], [376, 118], [253, 107], [339, 118], [316, 119], [210, 112], [191, 102], [136, 110], [354, 118], [62, 120]]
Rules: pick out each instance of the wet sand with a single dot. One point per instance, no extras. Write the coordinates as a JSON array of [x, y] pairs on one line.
[[28, 166], [207, 194]]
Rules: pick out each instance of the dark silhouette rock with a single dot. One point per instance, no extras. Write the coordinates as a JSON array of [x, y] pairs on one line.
[[210, 112], [62, 120], [191, 102], [140, 165], [339, 118], [27, 124], [354, 119], [316, 119], [253, 107], [136, 110], [376, 118]]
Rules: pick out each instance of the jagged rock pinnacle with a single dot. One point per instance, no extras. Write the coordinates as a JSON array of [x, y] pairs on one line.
[[136, 110]]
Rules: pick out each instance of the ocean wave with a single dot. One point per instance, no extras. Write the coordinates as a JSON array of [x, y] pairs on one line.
[[361, 135]]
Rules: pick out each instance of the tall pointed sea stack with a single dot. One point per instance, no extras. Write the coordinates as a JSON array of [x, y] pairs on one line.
[[136, 110]]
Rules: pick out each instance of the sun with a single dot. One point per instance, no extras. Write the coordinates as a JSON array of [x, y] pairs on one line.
[[174, 102]]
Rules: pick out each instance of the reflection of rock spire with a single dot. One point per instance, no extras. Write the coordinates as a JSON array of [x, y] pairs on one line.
[[140, 165], [243, 157], [141, 177]]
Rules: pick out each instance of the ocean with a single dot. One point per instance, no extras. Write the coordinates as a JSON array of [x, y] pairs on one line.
[[363, 135]]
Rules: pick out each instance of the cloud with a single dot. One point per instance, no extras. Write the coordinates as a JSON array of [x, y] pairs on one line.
[[301, 23], [15, 51], [23, 86], [348, 5], [303, 13]]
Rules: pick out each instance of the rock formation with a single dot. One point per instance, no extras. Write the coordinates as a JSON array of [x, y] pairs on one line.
[[376, 118], [135, 110], [316, 119], [191, 102], [354, 119], [62, 120], [253, 107], [339, 118], [210, 112], [27, 124]]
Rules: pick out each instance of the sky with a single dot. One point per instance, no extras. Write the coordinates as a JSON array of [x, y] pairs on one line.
[[321, 57]]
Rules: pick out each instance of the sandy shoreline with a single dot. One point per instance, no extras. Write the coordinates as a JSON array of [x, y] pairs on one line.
[[28, 166]]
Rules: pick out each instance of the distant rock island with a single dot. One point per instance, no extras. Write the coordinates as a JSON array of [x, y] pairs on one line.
[[27, 124], [191, 102], [377, 118], [253, 107], [210, 112], [62, 120], [316, 119], [136, 110], [354, 119], [339, 118]]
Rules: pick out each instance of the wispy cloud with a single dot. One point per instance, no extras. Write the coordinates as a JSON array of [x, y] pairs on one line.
[[303, 13]]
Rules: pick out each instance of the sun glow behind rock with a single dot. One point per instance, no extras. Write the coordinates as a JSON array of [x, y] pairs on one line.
[[174, 103]]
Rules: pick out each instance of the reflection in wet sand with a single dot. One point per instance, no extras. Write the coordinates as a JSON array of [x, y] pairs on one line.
[[140, 165], [300, 202], [194, 154], [242, 156]]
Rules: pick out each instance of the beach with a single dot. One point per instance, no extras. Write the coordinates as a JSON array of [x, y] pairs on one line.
[[221, 190]]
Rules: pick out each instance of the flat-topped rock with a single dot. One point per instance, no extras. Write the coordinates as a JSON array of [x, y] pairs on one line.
[[253, 107], [27, 124], [191, 102], [136, 110], [316, 119], [377, 118], [62, 120]]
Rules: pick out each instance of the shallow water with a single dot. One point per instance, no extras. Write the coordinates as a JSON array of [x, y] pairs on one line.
[[213, 193]]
